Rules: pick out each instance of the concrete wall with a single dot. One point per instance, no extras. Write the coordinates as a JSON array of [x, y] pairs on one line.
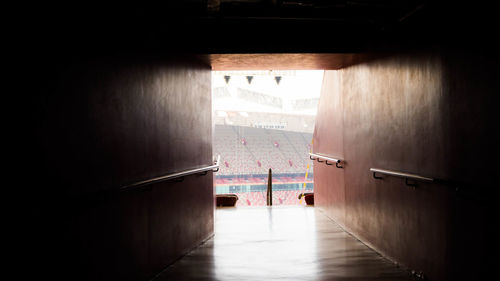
[[102, 123], [427, 114]]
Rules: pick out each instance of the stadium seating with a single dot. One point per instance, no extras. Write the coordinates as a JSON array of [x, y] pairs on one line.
[[247, 153], [259, 147]]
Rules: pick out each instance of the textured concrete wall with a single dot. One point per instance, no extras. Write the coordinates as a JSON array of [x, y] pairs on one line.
[[102, 123], [409, 113]]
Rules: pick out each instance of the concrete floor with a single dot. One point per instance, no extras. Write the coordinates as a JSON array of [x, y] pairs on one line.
[[281, 243]]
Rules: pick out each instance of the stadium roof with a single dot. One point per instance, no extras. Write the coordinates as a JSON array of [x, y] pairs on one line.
[[296, 93]]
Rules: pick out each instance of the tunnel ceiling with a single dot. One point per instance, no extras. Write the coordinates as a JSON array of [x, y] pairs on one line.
[[376, 12], [249, 26], [288, 61], [254, 26]]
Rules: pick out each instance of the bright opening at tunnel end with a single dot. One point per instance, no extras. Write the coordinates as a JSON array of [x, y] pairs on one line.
[[264, 120]]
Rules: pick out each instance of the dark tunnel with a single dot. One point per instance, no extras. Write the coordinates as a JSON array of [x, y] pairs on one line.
[[109, 99]]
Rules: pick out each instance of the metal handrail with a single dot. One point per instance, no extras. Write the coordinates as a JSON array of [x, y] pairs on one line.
[[214, 168], [406, 176], [326, 158]]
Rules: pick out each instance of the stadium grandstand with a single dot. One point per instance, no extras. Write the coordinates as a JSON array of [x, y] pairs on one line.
[[247, 153], [264, 120]]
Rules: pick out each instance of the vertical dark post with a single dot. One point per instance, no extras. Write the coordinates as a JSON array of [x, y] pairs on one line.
[[270, 188]]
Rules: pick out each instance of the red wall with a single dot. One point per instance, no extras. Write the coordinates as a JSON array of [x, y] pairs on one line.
[[328, 139], [102, 123], [413, 113]]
